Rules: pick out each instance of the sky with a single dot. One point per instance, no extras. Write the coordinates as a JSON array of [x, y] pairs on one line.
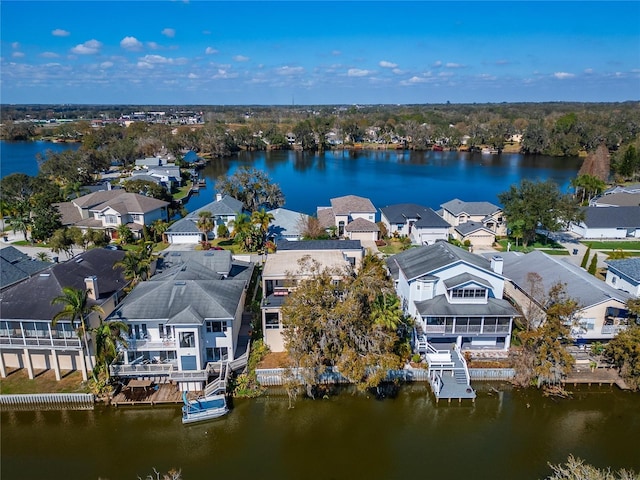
[[312, 53]]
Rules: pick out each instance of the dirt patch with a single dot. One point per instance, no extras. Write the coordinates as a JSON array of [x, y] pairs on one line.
[[489, 364], [274, 360], [18, 382]]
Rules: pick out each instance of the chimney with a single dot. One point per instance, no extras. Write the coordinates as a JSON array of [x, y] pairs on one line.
[[497, 264], [218, 197], [91, 284]]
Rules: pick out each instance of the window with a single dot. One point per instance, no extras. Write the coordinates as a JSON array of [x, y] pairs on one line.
[[187, 339], [216, 326], [613, 280], [110, 219], [216, 354], [272, 320], [468, 293]]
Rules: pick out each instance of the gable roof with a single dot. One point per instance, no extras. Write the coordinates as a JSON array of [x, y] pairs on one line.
[[619, 199], [19, 301], [465, 278], [402, 212], [326, 217], [457, 206], [629, 267], [16, 266], [580, 285], [468, 228], [126, 202], [361, 225], [420, 261], [184, 225], [612, 217], [285, 222], [352, 204], [218, 261], [226, 206]]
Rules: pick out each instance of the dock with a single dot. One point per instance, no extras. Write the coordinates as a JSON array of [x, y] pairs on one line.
[[147, 392], [599, 376]]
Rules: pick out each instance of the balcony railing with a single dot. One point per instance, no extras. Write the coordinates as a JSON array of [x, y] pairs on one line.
[[151, 344], [466, 329], [613, 329], [45, 342], [141, 369]]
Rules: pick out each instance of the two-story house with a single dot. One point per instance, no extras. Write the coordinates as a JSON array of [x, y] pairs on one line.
[[281, 273], [223, 210], [347, 210], [624, 274], [184, 318], [27, 337], [454, 296], [108, 209], [477, 222], [421, 224]]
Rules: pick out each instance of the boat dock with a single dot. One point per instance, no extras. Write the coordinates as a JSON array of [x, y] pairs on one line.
[[599, 376], [147, 392]]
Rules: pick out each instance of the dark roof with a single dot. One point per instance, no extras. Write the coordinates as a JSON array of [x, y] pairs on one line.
[[402, 212], [320, 245], [16, 266], [423, 260], [227, 206], [629, 267], [218, 261], [465, 278], [440, 307], [457, 206], [184, 225], [468, 228], [612, 217], [20, 302]]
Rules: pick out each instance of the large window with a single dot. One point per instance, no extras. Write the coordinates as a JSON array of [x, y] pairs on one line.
[[216, 326], [272, 320], [468, 293], [216, 354], [187, 339]]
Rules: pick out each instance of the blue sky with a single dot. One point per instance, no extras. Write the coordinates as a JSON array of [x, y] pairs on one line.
[[337, 52]]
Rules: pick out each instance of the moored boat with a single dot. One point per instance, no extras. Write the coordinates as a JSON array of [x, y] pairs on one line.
[[203, 408]]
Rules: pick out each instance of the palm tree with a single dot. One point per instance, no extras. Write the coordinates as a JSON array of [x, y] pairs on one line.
[[135, 265], [108, 336], [262, 219], [386, 311], [43, 256], [75, 306], [124, 234], [243, 230], [205, 223], [20, 223], [159, 227]]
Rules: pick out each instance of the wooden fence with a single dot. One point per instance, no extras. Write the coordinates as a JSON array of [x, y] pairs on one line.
[[48, 401]]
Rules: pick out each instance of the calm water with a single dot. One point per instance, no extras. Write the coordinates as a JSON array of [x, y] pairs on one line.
[[511, 435], [20, 157]]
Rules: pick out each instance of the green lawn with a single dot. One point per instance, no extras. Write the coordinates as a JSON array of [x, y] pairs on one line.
[[613, 244], [392, 247], [17, 382], [548, 246]]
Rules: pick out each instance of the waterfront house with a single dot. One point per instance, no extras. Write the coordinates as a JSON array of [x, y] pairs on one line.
[[223, 210], [486, 218], [347, 209], [618, 196], [286, 225], [602, 311], [603, 223], [624, 274], [421, 224], [108, 209], [185, 318], [281, 273], [16, 266], [27, 338], [167, 175], [351, 250], [454, 296]]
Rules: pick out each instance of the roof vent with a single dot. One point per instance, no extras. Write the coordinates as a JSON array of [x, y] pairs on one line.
[[181, 283], [78, 260], [45, 274]]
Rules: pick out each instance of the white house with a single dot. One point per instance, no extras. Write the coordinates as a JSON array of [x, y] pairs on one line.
[[608, 223], [454, 296], [624, 274], [421, 224], [286, 225], [486, 221], [343, 211]]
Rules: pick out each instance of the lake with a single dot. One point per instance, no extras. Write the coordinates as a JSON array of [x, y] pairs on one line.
[[506, 434], [309, 180]]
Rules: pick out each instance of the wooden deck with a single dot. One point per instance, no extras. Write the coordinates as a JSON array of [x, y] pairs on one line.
[[600, 376], [149, 393]]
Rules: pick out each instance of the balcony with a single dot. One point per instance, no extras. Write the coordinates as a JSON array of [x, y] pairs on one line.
[[613, 329], [143, 369], [149, 343]]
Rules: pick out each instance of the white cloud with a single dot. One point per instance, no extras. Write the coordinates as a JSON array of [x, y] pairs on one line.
[[142, 64], [155, 59], [210, 51], [222, 73], [169, 32], [454, 65], [437, 64], [241, 58], [385, 64], [15, 45], [58, 32], [415, 80], [90, 47], [193, 75], [588, 71], [563, 75], [357, 72], [397, 71], [487, 76], [131, 43], [106, 65], [153, 45], [17, 54], [49, 55], [286, 70]]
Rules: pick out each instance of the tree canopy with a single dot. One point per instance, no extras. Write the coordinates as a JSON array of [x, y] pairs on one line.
[[253, 188], [538, 205]]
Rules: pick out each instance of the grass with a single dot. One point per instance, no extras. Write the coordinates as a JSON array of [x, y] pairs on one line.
[[18, 382], [181, 192], [541, 243], [554, 251], [613, 244], [392, 247]]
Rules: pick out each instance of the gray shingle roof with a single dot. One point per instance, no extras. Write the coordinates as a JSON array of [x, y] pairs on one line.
[[465, 278], [612, 217], [457, 206], [320, 245], [218, 261], [401, 212], [628, 267], [439, 306], [285, 222], [352, 204], [423, 260], [361, 225], [19, 301], [184, 225], [620, 199], [226, 206], [16, 266], [326, 217], [583, 287], [468, 228]]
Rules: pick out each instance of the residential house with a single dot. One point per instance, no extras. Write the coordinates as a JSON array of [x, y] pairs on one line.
[[185, 317], [351, 250], [602, 311], [608, 223], [487, 221], [421, 224], [108, 209], [167, 175], [347, 209], [27, 338], [454, 296], [286, 225], [281, 273], [16, 266], [618, 196], [223, 210], [624, 274]]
